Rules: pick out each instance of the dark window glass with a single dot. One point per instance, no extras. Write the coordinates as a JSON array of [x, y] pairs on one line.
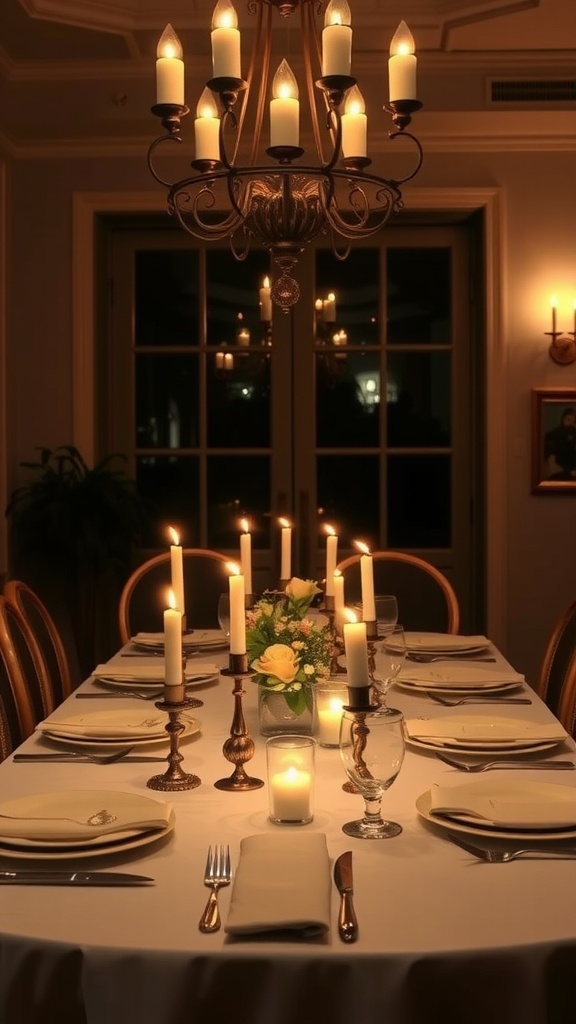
[[239, 400], [167, 401], [419, 490], [418, 395], [169, 485], [166, 298], [349, 496], [355, 285], [418, 289], [233, 297], [347, 399], [238, 487]]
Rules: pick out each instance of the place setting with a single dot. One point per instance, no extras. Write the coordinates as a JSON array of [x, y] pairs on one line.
[[193, 641], [459, 679], [143, 674], [113, 728], [482, 734], [444, 645]]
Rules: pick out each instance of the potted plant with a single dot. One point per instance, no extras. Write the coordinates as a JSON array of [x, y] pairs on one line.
[[72, 532]]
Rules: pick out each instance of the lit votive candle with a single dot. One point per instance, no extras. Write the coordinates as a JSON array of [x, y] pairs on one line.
[[290, 762], [330, 699]]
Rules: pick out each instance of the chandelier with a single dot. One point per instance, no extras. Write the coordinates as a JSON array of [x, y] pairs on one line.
[[282, 204]]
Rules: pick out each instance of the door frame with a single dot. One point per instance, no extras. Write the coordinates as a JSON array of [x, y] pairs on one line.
[[88, 206]]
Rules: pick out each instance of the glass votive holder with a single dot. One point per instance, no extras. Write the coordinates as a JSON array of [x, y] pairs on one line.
[[290, 767], [330, 696]]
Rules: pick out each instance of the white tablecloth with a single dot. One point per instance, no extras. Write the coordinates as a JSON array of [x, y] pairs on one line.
[[443, 939]]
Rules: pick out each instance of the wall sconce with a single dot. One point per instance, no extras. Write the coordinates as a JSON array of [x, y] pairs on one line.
[[563, 345]]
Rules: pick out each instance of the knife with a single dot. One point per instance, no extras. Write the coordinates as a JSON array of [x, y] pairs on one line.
[[347, 923], [72, 878]]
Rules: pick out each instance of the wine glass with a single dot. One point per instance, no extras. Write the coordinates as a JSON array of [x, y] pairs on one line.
[[389, 662], [372, 751], [386, 613], [224, 614]]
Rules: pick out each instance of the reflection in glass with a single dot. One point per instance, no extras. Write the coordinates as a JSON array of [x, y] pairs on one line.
[[233, 296], [418, 399], [169, 485], [238, 406], [419, 501], [419, 295], [166, 401], [347, 399], [355, 286], [166, 298], [348, 492], [238, 486]]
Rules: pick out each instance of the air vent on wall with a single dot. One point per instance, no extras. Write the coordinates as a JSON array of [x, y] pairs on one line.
[[553, 90]]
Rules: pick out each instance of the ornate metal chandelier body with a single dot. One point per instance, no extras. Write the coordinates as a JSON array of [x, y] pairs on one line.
[[282, 205]]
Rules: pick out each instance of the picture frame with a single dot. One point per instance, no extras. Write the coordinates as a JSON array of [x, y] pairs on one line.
[[554, 441]]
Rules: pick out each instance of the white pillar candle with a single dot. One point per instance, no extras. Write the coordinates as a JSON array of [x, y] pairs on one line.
[[172, 647], [207, 128], [329, 715], [284, 108], [177, 571], [356, 650], [331, 558], [402, 65], [225, 39], [169, 69], [354, 124], [286, 550], [290, 795], [338, 584], [237, 614], [246, 555], [265, 300]]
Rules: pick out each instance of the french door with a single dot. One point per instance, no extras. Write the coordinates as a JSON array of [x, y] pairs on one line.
[[354, 410]]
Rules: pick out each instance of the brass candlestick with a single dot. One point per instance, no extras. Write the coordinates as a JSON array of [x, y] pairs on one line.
[[174, 779], [362, 705], [371, 638], [239, 747]]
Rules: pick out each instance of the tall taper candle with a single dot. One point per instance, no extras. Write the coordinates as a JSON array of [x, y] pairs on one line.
[[367, 582], [356, 649], [172, 647], [331, 557], [177, 570], [237, 613], [246, 555], [338, 585], [286, 550]]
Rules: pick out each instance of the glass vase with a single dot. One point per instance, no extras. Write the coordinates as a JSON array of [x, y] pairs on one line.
[[276, 716]]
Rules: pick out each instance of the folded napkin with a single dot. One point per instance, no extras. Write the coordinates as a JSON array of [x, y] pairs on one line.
[[145, 672], [458, 676], [191, 639], [120, 724], [507, 804], [482, 730], [443, 641], [282, 883], [81, 814]]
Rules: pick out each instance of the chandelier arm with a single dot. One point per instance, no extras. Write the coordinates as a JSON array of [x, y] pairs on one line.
[[151, 151], [311, 46], [228, 115], [205, 232], [260, 59], [408, 135], [334, 123]]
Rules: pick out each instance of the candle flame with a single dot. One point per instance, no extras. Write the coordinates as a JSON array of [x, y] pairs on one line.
[[245, 525], [233, 568], [362, 547], [291, 773], [174, 535], [350, 616], [266, 282], [554, 301], [284, 522], [171, 599], [330, 530], [337, 572]]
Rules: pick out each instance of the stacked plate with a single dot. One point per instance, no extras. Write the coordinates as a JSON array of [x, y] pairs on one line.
[[437, 644], [113, 728], [195, 640], [81, 823], [141, 674], [503, 810], [482, 734], [459, 678]]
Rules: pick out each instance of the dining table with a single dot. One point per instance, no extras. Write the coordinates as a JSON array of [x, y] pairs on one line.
[[444, 937]]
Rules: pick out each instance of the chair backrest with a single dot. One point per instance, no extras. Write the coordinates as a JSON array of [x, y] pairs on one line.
[[144, 595], [23, 685], [47, 637], [426, 598], [559, 664]]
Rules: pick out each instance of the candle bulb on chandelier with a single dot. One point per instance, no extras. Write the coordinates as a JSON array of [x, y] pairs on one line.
[[207, 128], [337, 39], [354, 124], [225, 39], [402, 65], [284, 108], [169, 69]]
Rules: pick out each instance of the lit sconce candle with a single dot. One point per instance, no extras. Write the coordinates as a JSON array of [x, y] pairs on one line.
[[330, 307], [367, 582], [207, 128], [225, 41], [237, 610], [554, 306], [177, 570], [331, 558], [284, 108], [286, 550], [356, 649], [337, 39], [354, 124], [265, 300], [172, 647], [402, 65], [169, 69], [246, 555], [338, 585]]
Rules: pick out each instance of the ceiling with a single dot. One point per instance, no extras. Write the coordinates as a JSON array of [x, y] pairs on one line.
[[78, 76]]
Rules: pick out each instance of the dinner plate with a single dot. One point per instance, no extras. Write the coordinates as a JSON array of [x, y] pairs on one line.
[[503, 803], [121, 843], [483, 733], [141, 684], [129, 720], [196, 640], [424, 808], [502, 752], [456, 691], [442, 643]]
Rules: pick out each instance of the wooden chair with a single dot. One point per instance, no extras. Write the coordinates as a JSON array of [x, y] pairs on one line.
[[144, 595], [557, 680], [23, 681], [426, 599], [47, 637]]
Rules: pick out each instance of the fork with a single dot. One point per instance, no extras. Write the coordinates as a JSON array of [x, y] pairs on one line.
[[153, 695], [484, 766], [73, 755], [476, 700], [503, 856], [427, 659], [217, 874]]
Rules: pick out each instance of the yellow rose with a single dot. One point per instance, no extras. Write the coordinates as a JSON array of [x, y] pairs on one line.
[[280, 661], [301, 590]]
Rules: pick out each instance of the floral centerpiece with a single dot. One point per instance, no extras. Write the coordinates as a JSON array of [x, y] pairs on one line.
[[288, 649]]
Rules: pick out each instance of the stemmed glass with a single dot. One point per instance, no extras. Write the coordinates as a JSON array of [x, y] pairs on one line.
[[386, 613], [372, 751], [224, 614], [389, 662]]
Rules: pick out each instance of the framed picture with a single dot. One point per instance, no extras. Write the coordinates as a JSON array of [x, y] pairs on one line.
[[554, 441]]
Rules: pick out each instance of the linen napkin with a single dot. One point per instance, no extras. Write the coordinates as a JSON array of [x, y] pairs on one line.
[[458, 676], [507, 804], [81, 814], [117, 724], [145, 672], [282, 883], [483, 730], [440, 642]]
